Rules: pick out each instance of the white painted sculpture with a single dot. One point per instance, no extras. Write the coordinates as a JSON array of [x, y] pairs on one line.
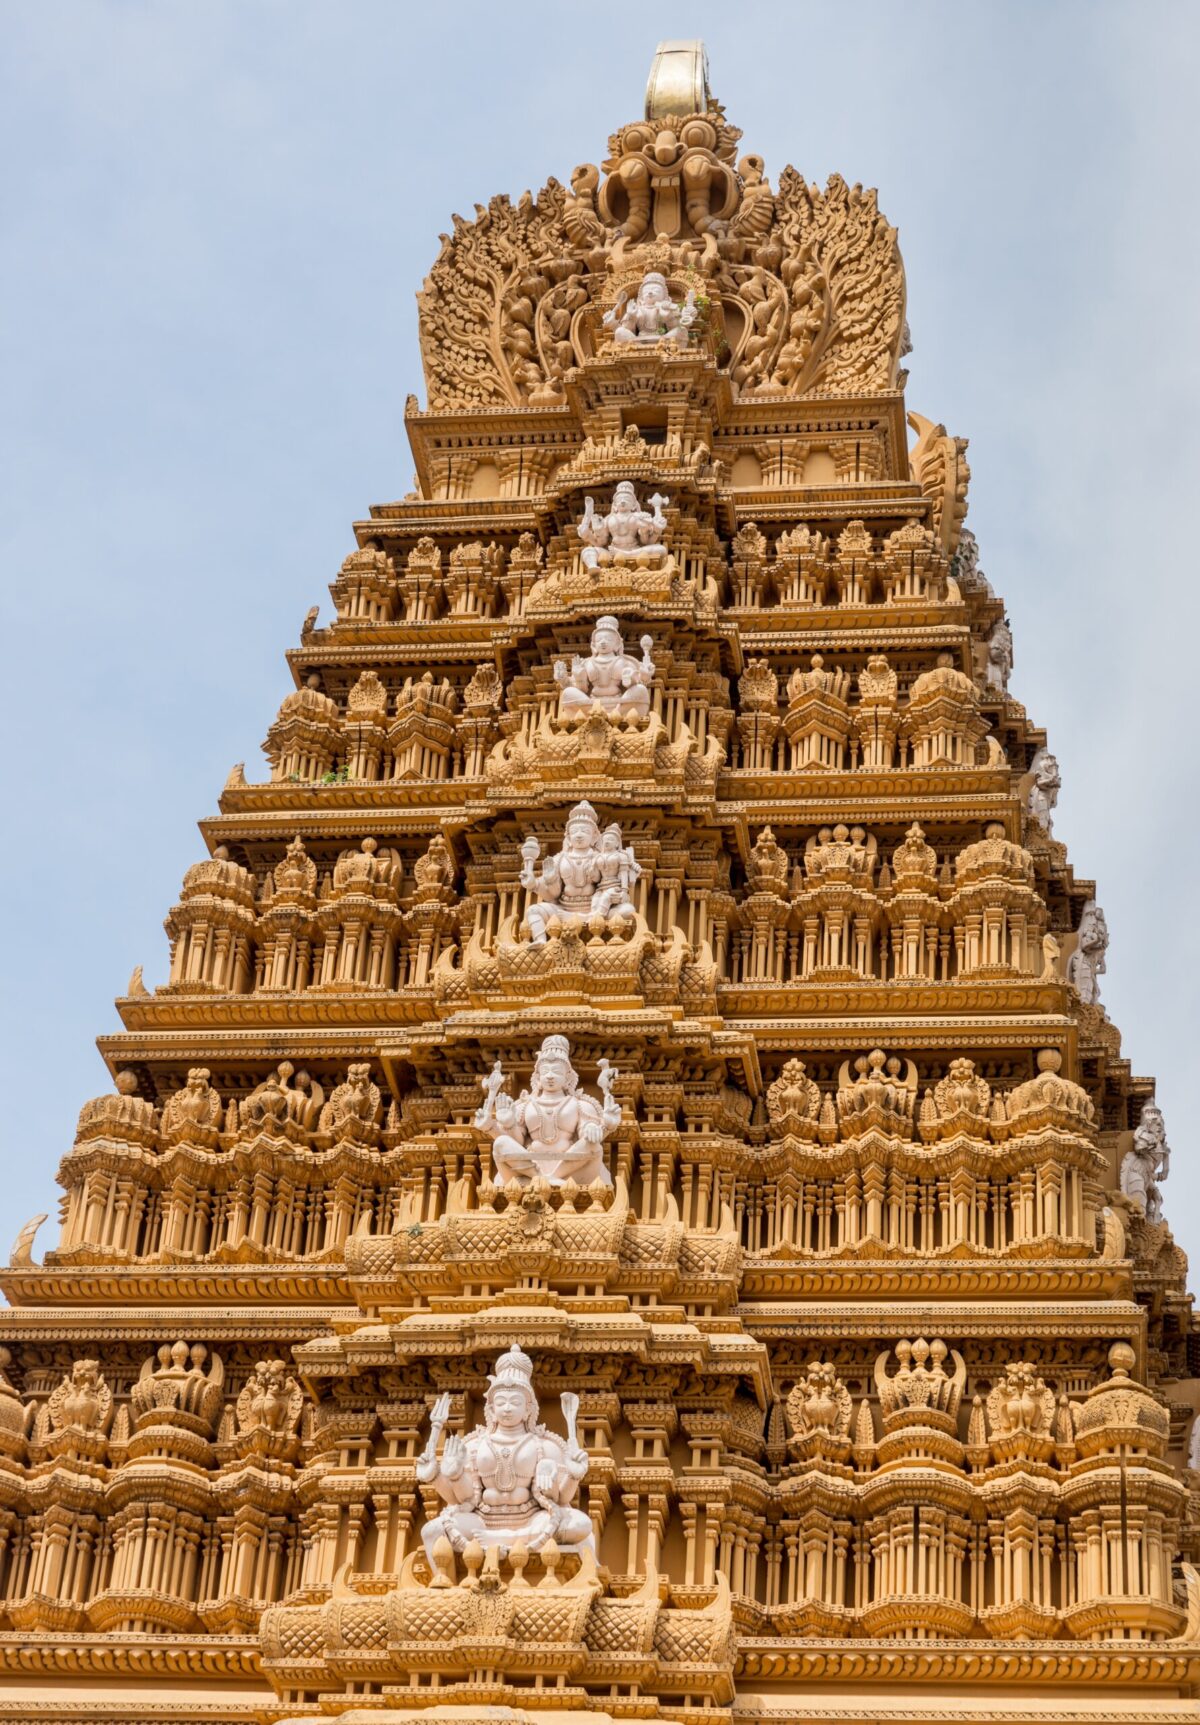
[[553, 1131], [1000, 657], [510, 1482], [589, 883], [608, 678], [1043, 792], [627, 534], [1147, 1163], [651, 316], [1086, 964]]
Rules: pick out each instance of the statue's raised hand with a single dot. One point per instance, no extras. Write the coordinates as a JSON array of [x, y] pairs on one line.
[[454, 1456], [437, 1421], [545, 1478]]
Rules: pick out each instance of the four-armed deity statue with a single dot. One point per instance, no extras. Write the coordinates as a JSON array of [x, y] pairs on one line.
[[627, 534], [510, 1482], [589, 883], [651, 315], [608, 678], [553, 1131]]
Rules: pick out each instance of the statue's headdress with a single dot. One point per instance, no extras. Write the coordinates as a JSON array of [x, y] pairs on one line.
[[609, 623], [514, 1370], [554, 1048], [582, 814]]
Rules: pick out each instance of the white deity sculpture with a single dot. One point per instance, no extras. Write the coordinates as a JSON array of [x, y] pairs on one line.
[[608, 678], [553, 1131], [1043, 792], [1086, 964], [651, 315], [627, 534], [589, 882], [1147, 1163], [510, 1482], [1000, 657]]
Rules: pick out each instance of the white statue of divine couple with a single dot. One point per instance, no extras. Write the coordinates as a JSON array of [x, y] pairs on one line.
[[588, 883]]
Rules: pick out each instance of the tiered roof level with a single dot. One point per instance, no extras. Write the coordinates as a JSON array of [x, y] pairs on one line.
[[644, 979]]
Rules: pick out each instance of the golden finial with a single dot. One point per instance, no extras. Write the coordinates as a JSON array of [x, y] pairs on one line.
[[678, 81]]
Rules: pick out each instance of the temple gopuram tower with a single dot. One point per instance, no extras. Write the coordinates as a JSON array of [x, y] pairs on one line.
[[627, 1204]]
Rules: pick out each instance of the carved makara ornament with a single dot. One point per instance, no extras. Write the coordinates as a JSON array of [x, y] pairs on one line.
[[819, 1402], [271, 1399], [508, 1483]]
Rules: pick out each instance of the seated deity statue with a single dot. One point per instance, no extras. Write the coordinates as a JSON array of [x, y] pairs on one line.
[[627, 534], [652, 316], [552, 1131], [509, 1482], [609, 679], [585, 884]]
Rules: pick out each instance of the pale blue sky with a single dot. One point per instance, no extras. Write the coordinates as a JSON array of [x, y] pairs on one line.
[[214, 219]]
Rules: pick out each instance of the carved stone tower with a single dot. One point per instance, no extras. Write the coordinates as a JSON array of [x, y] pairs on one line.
[[646, 988]]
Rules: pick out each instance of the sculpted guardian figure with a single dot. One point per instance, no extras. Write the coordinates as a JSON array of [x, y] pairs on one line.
[[1147, 1163], [1000, 657], [627, 534], [1086, 964], [591, 877], [608, 679], [1043, 792], [552, 1131], [509, 1482], [652, 316]]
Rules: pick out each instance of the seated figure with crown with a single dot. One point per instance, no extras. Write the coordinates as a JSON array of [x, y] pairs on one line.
[[651, 317], [552, 1131], [588, 883], [609, 679], [627, 534], [509, 1482]]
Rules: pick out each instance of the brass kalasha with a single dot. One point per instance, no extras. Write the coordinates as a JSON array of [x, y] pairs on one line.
[[628, 1203]]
